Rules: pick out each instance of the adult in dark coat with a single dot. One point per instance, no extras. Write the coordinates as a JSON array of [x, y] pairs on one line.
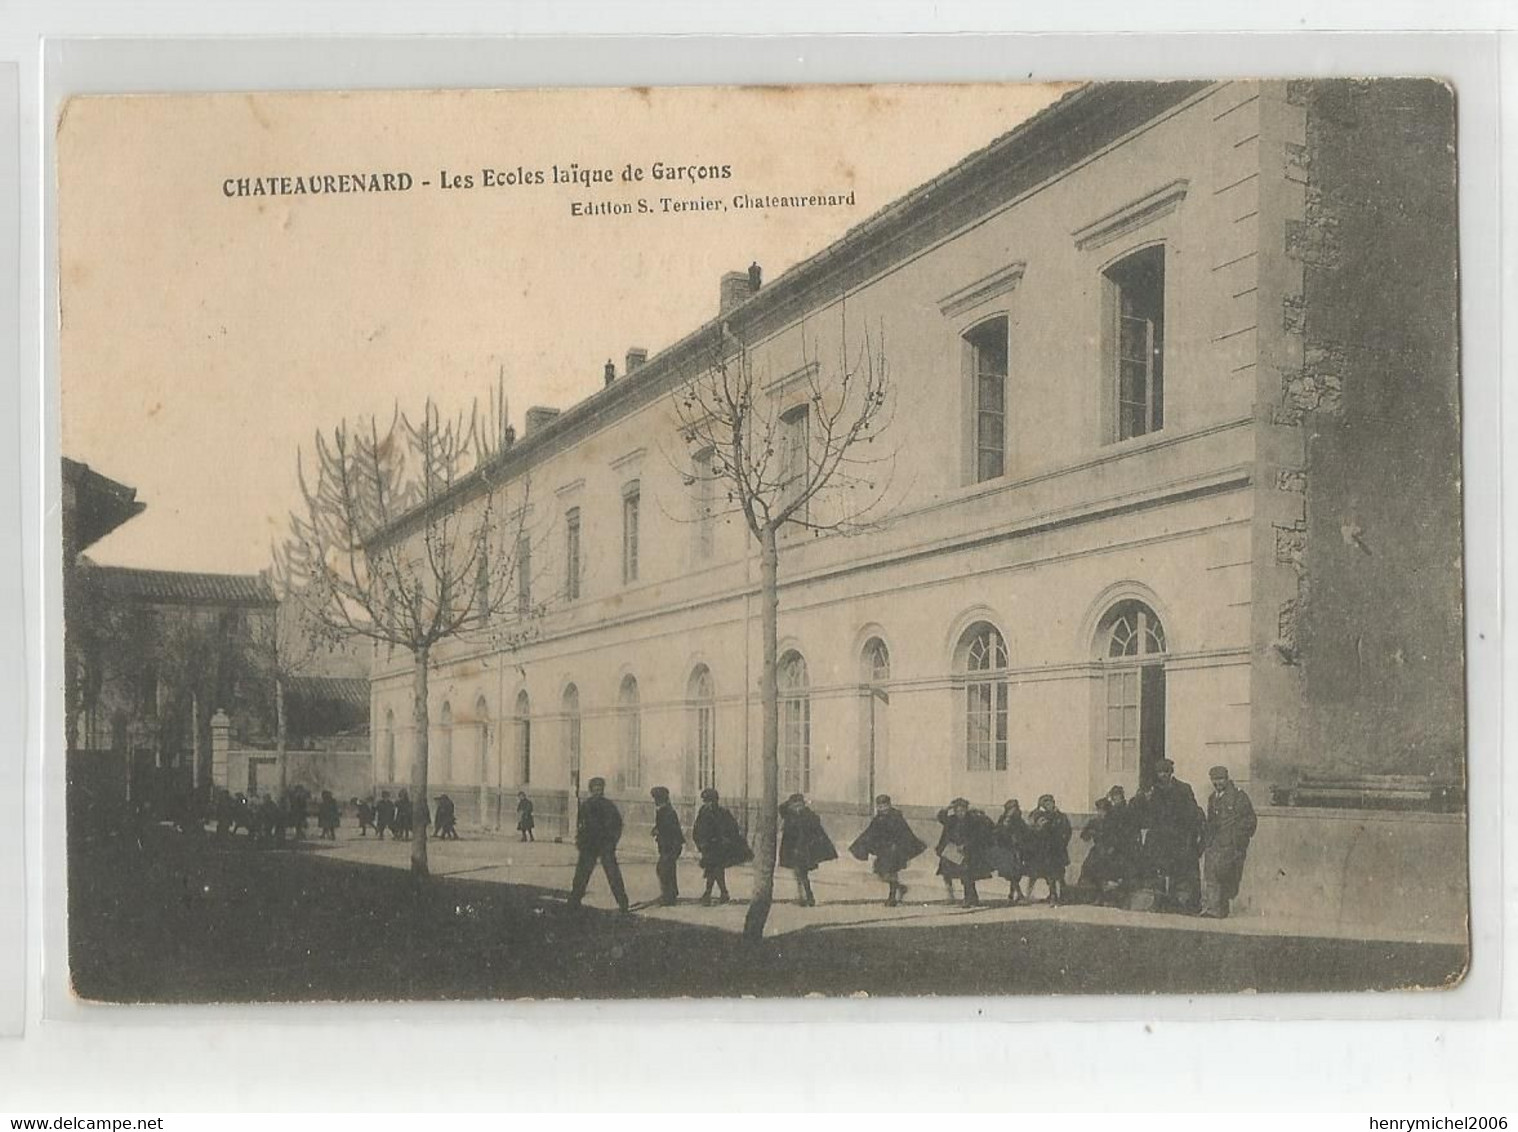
[[890, 840], [447, 819], [401, 827], [384, 816], [720, 842], [1050, 843], [597, 832], [327, 816], [670, 839], [524, 816], [1011, 849], [298, 804], [804, 845], [365, 815], [1231, 823], [271, 819], [964, 848], [1172, 824]]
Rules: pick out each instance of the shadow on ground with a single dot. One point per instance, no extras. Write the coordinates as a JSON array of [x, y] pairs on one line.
[[193, 920]]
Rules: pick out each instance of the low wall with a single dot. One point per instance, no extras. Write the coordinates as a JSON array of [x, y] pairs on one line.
[[1366, 871]]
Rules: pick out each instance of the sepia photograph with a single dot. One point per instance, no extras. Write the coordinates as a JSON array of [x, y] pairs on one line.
[[763, 542]]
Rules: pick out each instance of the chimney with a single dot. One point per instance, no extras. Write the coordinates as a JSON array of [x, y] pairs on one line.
[[735, 289], [538, 418], [636, 356], [755, 276]]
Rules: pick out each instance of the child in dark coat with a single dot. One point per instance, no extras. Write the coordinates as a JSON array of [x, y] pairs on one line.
[[524, 816], [890, 840], [720, 842], [1051, 848], [804, 845], [964, 848], [1012, 838]]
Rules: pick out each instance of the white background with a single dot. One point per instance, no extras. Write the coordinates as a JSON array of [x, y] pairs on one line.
[[1391, 1055]]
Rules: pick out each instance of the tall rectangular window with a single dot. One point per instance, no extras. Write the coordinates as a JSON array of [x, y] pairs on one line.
[[1138, 342], [524, 576], [795, 442], [482, 587], [703, 496], [572, 554], [988, 363], [630, 533]]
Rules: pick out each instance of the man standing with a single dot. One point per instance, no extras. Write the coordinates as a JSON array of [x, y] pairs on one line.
[[670, 839], [597, 832], [1172, 822], [1231, 822], [384, 816]]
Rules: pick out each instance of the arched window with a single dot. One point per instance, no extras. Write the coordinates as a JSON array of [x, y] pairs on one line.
[[1136, 342], [445, 744], [795, 724], [482, 741], [570, 707], [1130, 641], [987, 346], [388, 748], [630, 732], [523, 724], [703, 726], [875, 670], [982, 663]]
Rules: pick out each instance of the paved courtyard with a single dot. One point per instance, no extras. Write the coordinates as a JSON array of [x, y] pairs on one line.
[[197, 919], [848, 894]]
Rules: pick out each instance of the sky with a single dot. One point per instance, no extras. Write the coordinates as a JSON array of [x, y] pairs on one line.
[[206, 337]]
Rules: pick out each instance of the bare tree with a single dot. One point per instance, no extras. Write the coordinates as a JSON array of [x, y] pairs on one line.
[[409, 537], [789, 456]]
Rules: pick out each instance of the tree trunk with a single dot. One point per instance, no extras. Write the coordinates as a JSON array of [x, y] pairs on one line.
[[769, 747], [281, 760], [419, 764]]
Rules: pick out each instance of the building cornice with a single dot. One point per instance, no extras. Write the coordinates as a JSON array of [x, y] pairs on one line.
[[1060, 136]]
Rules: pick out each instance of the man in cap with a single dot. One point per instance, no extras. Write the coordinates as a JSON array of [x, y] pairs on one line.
[[670, 839], [1172, 822], [597, 832], [1231, 822]]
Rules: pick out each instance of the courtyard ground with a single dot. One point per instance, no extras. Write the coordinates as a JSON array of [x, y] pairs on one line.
[[191, 919]]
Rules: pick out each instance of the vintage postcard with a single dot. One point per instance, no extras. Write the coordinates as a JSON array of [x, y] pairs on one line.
[[921, 540]]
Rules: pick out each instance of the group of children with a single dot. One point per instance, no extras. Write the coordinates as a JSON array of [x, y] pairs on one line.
[[400, 817], [268, 820]]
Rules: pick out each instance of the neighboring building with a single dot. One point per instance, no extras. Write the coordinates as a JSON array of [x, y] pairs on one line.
[[1177, 412], [167, 649], [93, 506]]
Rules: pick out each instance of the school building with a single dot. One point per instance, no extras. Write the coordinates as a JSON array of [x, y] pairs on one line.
[[1176, 445]]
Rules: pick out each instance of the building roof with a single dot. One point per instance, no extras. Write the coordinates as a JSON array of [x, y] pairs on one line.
[[350, 691], [1064, 133], [99, 505], [177, 587]]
